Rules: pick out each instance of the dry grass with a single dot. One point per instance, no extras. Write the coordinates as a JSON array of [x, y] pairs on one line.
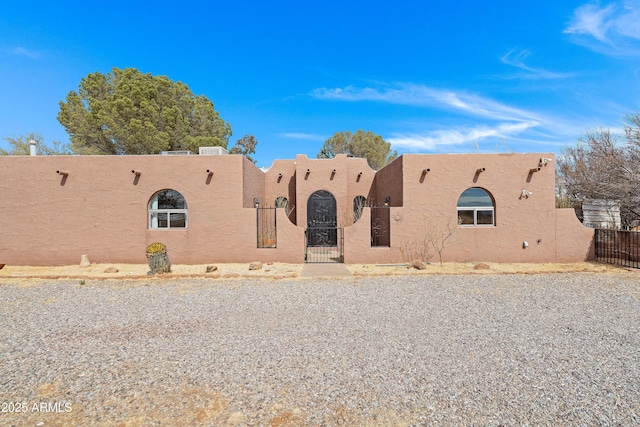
[[282, 270], [481, 268]]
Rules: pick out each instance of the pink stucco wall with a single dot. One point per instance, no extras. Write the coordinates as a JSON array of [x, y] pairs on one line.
[[429, 204], [101, 208]]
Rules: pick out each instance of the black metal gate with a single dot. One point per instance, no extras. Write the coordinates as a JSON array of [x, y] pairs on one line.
[[266, 227], [323, 245], [617, 247], [323, 238], [380, 226]]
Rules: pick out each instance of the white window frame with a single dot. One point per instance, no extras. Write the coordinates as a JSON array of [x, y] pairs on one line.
[[476, 209], [154, 213]]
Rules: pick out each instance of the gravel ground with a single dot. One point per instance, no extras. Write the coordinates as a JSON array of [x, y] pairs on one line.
[[557, 349]]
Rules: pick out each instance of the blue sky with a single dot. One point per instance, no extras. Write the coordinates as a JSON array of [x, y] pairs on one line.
[[430, 77]]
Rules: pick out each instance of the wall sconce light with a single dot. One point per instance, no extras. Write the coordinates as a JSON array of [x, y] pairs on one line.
[[480, 170], [387, 200], [136, 173], [544, 161], [209, 172], [63, 173], [533, 170], [256, 202], [525, 193]]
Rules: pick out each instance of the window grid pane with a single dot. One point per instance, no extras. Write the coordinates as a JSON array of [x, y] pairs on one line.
[[177, 220], [162, 220], [466, 217], [484, 217]]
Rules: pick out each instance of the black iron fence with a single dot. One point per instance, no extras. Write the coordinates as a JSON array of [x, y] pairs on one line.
[[617, 247], [266, 227], [323, 245], [380, 226]]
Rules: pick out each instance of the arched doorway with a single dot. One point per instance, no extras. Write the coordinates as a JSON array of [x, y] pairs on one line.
[[321, 219], [323, 238]]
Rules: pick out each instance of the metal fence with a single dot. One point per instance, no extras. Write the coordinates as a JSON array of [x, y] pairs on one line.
[[266, 227], [323, 245], [380, 226], [618, 247]]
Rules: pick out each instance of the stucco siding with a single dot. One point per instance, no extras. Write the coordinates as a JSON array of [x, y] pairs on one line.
[[101, 208]]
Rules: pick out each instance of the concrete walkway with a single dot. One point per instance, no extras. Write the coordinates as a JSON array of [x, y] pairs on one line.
[[325, 270]]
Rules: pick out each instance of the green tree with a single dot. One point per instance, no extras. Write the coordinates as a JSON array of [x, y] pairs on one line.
[[368, 145], [20, 146], [245, 146], [128, 112]]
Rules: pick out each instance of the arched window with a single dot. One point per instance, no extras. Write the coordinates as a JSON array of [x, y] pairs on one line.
[[167, 209], [282, 202], [476, 208], [359, 202]]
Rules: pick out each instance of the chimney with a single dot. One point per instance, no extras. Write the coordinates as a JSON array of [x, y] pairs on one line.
[[33, 148]]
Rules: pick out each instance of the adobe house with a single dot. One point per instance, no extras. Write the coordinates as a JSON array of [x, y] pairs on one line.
[[222, 208]]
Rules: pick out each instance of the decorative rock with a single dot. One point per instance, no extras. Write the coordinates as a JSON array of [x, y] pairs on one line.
[[111, 270], [481, 266], [211, 268], [257, 265], [84, 261], [418, 265]]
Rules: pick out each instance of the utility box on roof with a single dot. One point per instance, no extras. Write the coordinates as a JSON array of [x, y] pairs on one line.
[[212, 151]]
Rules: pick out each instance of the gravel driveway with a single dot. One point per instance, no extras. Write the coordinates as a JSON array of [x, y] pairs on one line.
[[559, 349]]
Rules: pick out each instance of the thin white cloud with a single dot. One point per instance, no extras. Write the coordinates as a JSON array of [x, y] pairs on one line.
[[494, 119], [420, 95], [516, 57], [612, 29], [21, 51], [435, 140], [307, 136]]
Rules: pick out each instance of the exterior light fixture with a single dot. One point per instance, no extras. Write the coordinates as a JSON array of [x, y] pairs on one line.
[[544, 161], [387, 200], [525, 193], [256, 202]]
